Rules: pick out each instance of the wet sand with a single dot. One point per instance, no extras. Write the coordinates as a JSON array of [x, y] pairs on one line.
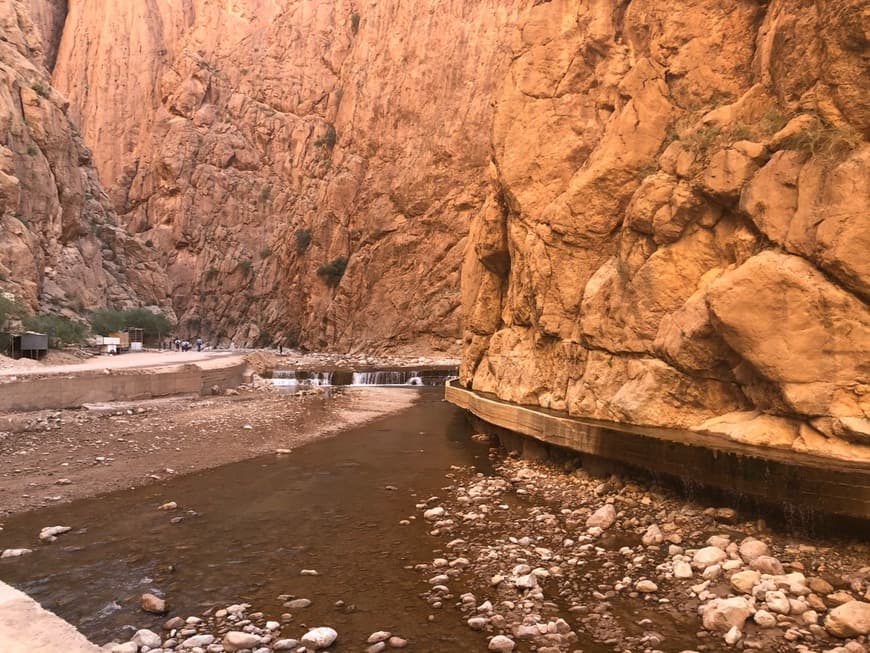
[[55, 456]]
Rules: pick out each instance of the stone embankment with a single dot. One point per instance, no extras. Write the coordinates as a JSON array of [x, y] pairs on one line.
[[546, 559], [76, 388]]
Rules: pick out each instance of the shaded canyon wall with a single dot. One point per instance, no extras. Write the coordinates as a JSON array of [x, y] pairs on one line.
[[255, 141], [61, 247]]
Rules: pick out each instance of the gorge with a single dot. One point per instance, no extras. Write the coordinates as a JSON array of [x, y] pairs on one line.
[[656, 215]]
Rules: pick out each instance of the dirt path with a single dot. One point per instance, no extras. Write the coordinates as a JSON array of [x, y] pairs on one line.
[[25, 368], [53, 457]]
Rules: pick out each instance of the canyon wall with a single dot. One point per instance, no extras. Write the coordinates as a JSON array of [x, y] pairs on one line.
[[679, 219], [61, 248], [658, 212], [254, 142]]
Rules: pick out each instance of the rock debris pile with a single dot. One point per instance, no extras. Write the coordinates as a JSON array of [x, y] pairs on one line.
[[236, 630], [545, 560]]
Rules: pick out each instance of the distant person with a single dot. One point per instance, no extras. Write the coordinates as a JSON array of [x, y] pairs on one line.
[[185, 345], [177, 344], [198, 344]]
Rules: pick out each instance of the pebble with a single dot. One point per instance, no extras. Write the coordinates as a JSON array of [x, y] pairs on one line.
[[501, 644], [50, 533], [14, 553], [236, 640], [297, 604], [147, 638]]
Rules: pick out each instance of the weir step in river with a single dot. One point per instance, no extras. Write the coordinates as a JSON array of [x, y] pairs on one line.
[[332, 378]]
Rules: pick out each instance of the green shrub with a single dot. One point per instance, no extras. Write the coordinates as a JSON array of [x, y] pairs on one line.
[[246, 264], [59, 329], [32, 151], [303, 239], [332, 272], [772, 121], [40, 89], [354, 22], [108, 321], [9, 309], [827, 142], [265, 193], [328, 139], [266, 252]]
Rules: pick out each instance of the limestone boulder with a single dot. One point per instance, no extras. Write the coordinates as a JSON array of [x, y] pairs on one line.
[[799, 330]]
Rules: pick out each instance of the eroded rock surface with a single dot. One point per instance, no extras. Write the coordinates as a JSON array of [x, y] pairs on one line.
[[678, 219], [61, 248]]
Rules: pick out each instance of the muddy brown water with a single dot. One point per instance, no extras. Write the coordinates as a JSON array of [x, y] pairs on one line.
[[258, 524]]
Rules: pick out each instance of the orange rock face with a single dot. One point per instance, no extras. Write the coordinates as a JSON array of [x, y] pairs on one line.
[[678, 224], [61, 248], [650, 212], [255, 141]]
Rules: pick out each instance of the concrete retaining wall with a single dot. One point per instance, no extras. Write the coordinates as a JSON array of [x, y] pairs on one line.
[[74, 390], [26, 627], [774, 476]]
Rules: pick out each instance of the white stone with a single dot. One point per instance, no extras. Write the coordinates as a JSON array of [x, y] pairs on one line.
[[709, 555], [318, 638], [501, 644], [128, 647], [721, 614], [777, 602], [147, 638], [764, 619], [602, 518], [285, 645], [236, 640], [433, 513], [378, 636], [197, 641], [682, 570], [646, 586], [50, 533], [733, 636], [14, 553], [652, 536]]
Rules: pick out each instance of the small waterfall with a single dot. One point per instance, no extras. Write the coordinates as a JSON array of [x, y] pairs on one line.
[[395, 378], [292, 378], [387, 378]]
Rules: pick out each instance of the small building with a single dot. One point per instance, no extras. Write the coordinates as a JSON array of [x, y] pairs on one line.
[[29, 344], [109, 344]]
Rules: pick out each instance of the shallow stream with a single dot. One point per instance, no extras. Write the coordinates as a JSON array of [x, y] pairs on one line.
[[328, 506]]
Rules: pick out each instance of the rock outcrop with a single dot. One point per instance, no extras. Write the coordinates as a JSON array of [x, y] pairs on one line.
[[677, 226], [663, 208], [61, 249], [255, 142]]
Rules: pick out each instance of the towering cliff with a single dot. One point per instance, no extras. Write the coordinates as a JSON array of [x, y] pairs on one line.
[[678, 223], [255, 142], [61, 248], [659, 210]]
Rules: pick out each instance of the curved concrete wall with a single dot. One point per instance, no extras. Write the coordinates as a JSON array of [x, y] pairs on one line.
[[774, 476], [71, 391]]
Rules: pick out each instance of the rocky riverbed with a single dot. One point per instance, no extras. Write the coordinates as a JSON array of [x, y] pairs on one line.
[[553, 559]]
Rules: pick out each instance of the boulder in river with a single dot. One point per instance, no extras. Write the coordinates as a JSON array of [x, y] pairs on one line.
[[50, 533], [849, 620], [236, 640], [318, 638], [153, 604], [14, 553], [602, 518]]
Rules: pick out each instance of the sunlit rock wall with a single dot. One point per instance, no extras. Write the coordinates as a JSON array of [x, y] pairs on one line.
[[677, 227]]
